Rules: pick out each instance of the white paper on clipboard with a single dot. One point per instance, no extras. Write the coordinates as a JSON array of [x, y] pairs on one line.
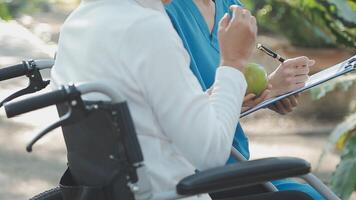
[[337, 70]]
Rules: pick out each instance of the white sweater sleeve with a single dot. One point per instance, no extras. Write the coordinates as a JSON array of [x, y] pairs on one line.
[[201, 126]]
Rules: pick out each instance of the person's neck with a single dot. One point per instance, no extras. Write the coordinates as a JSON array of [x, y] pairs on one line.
[[207, 9], [153, 4], [207, 2]]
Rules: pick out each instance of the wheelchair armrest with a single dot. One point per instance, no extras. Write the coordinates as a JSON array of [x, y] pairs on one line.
[[242, 174]]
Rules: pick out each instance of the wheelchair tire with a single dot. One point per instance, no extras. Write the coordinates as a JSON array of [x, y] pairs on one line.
[[52, 194]]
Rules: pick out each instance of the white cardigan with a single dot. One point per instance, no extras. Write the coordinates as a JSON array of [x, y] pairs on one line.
[[137, 52]]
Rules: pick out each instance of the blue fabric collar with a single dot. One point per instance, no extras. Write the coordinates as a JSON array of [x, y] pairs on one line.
[[210, 36]]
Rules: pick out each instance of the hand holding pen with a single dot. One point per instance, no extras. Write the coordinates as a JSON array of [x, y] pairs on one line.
[[292, 74]]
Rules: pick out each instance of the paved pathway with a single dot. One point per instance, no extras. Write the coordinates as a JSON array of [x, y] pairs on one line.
[[21, 174]]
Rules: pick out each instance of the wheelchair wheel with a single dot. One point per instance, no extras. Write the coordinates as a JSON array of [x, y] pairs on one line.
[[52, 194]]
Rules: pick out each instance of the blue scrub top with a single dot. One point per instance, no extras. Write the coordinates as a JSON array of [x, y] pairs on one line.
[[203, 48]]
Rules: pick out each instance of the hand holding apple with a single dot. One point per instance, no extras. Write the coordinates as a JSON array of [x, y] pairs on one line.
[[258, 88], [256, 78], [251, 100]]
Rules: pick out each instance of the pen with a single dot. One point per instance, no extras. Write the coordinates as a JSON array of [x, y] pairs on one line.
[[270, 53]]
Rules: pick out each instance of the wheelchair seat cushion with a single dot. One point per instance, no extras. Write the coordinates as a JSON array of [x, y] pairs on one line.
[[71, 190]]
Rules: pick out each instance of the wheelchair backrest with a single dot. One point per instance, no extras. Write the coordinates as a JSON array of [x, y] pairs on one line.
[[102, 147]]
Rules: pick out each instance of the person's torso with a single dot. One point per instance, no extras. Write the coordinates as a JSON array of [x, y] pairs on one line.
[[85, 55], [203, 47], [201, 44]]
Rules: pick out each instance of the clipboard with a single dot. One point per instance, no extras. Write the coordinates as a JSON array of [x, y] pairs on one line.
[[323, 76]]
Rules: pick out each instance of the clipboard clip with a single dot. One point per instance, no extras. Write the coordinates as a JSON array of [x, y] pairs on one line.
[[351, 63]]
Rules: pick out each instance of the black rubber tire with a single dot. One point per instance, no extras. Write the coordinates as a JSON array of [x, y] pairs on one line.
[[52, 194]]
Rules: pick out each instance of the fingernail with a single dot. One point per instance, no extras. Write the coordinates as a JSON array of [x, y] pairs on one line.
[[311, 62]]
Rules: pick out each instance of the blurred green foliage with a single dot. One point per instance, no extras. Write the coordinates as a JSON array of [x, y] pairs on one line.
[[343, 138], [12, 8], [344, 82], [344, 177], [4, 11], [308, 23]]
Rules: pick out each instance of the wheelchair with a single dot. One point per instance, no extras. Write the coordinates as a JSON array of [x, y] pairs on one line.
[[105, 161]]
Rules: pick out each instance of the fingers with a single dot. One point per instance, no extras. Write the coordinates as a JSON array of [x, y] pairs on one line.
[[264, 95], [243, 109], [301, 79], [298, 62], [276, 109], [236, 11], [253, 20], [294, 100], [298, 85], [302, 70], [273, 107], [249, 97], [311, 63], [284, 106], [287, 105], [280, 108], [295, 72], [250, 100], [224, 22], [261, 98], [254, 23], [237, 38], [244, 14]]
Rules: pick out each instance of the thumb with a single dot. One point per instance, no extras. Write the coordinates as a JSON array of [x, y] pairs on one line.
[[224, 22], [311, 63], [249, 97]]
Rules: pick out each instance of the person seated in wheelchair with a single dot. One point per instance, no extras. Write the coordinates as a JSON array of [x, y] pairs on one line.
[[132, 46]]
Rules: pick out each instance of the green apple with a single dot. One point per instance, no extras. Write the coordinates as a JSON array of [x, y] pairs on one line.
[[256, 77]]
